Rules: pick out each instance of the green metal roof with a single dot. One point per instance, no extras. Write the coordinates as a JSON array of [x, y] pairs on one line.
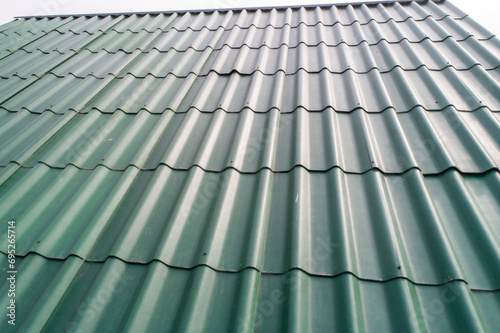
[[321, 168], [73, 295]]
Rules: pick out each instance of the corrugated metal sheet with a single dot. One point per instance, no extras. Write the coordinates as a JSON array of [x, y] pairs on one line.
[[248, 142], [384, 57], [345, 92], [295, 169], [328, 15], [82, 297], [253, 37], [140, 216]]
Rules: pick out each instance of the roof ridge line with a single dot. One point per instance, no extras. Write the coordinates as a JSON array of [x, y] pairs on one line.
[[236, 9], [263, 27]]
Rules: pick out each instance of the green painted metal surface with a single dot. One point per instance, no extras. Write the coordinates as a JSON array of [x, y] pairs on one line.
[[248, 142], [230, 221], [75, 296], [330, 168]]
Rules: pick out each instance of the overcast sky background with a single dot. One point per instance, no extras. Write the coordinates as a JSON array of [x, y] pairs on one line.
[[484, 11]]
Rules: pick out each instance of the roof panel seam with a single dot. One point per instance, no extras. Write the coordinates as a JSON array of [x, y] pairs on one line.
[[253, 47], [262, 169]]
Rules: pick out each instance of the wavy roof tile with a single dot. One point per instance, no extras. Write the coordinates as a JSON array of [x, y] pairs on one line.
[[313, 168]]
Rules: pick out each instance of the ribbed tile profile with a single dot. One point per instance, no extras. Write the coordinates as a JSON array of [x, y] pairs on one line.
[[376, 226], [371, 33], [77, 296], [372, 91], [306, 169], [384, 57], [249, 142]]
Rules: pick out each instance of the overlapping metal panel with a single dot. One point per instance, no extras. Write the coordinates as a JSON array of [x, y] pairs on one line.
[[77, 296], [188, 218], [384, 57], [352, 35], [372, 91], [248, 142], [290, 169]]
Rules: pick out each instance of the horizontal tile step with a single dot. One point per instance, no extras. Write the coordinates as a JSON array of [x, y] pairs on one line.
[[372, 92], [382, 57], [429, 229], [249, 142], [74, 295]]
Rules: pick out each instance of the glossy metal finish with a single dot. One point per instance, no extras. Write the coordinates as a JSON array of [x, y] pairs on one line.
[[248, 142], [375, 226], [71, 295], [322, 168]]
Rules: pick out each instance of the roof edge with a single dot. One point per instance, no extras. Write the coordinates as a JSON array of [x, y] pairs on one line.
[[236, 9]]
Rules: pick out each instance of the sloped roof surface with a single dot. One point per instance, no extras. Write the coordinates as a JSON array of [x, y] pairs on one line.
[[291, 169]]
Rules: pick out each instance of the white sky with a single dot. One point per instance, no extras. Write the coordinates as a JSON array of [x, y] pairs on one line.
[[484, 11]]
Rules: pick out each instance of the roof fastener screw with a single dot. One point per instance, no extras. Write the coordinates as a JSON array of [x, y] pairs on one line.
[[204, 253], [38, 241], [399, 267]]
